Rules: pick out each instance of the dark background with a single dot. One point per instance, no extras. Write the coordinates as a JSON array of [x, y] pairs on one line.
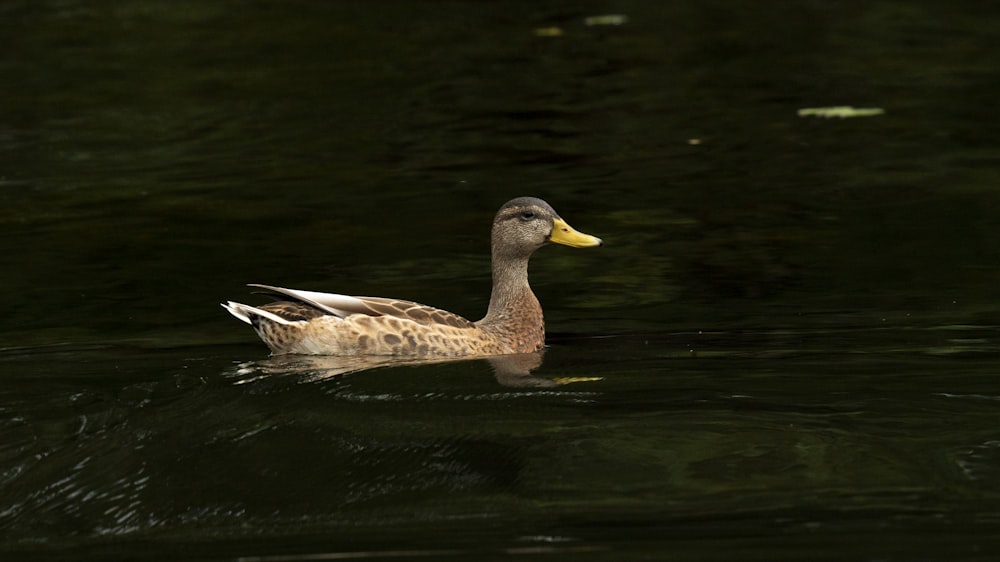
[[792, 318]]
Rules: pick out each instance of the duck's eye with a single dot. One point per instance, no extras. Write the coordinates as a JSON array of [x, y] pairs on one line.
[[527, 215]]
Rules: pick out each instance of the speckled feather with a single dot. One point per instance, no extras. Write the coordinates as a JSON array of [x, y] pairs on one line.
[[398, 328]]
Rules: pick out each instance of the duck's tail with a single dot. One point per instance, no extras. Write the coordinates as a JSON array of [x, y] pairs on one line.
[[247, 313]]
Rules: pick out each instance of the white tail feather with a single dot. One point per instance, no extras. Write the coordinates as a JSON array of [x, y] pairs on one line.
[[243, 312]]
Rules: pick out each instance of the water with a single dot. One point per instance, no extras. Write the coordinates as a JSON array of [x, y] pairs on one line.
[[785, 350]]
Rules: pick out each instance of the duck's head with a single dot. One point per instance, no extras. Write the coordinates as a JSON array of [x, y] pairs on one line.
[[525, 224]]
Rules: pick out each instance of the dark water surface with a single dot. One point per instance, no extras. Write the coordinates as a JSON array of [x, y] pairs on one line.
[[787, 349]]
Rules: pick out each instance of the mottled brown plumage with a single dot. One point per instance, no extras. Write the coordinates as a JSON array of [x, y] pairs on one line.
[[307, 322]]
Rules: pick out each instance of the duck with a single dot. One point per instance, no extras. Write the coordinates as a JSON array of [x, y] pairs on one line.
[[315, 323]]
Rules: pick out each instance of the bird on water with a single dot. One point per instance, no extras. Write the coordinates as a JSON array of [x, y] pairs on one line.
[[308, 322]]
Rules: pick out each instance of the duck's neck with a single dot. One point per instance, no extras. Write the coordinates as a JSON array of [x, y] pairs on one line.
[[514, 314]]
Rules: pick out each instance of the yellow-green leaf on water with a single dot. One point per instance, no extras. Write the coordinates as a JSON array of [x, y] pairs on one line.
[[607, 19], [841, 111], [571, 380], [548, 31]]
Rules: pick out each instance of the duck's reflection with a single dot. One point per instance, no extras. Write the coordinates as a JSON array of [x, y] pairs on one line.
[[512, 371]]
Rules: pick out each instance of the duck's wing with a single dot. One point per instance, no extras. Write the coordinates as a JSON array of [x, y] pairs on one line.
[[333, 304], [343, 306]]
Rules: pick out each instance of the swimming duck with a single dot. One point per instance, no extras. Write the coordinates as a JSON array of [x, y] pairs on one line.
[[307, 322]]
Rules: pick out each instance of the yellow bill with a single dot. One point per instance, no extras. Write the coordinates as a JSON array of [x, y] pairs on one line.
[[563, 233]]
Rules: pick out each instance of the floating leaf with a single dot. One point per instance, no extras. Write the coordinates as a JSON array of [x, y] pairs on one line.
[[607, 19], [841, 111], [548, 31], [570, 380]]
